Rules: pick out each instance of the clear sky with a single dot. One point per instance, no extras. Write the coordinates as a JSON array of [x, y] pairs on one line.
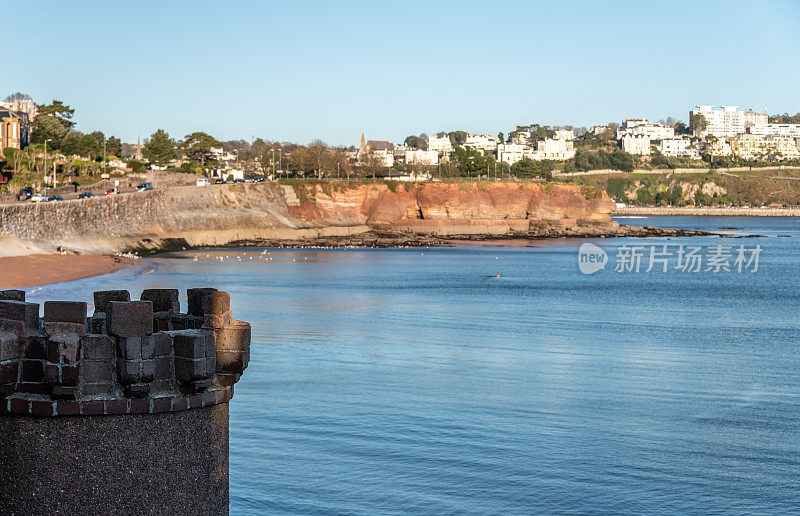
[[295, 71]]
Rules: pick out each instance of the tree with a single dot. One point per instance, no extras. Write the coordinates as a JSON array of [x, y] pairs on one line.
[[539, 132], [372, 165], [114, 146], [785, 119], [527, 167], [48, 127], [198, 145], [301, 160], [621, 160], [501, 137], [17, 96], [698, 123], [322, 156], [71, 145], [468, 160], [160, 148], [457, 138], [60, 111], [675, 195], [91, 145]]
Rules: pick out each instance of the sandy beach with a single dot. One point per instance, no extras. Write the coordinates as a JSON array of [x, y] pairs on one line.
[[43, 269]]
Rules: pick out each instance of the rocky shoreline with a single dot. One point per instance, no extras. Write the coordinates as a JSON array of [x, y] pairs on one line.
[[383, 238]]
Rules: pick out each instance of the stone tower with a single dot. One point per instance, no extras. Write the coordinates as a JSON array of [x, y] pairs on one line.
[[122, 412]]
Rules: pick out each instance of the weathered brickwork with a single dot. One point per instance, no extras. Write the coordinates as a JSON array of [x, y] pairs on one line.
[[128, 357]]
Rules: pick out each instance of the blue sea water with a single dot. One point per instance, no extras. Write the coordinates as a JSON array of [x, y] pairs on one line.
[[410, 381]]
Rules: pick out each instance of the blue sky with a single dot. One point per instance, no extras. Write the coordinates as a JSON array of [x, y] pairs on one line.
[[295, 71]]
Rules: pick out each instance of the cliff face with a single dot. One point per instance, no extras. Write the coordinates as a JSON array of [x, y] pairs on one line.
[[217, 215], [445, 204]]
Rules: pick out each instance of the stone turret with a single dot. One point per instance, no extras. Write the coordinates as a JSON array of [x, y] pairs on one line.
[[123, 411]]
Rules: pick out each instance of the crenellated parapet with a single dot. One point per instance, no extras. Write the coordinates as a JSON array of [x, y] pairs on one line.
[[128, 357]]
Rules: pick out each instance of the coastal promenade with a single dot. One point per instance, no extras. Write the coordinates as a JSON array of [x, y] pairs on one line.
[[727, 212]]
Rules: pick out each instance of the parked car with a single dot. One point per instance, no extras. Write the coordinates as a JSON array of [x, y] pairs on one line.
[[112, 191], [85, 195], [38, 198], [220, 182], [238, 180], [55, 198], [25, 193], [203, 182], [144, 187]]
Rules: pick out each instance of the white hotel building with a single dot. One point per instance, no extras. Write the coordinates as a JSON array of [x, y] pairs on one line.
[[482, 142], [790, 130], [440, 144], [642, 127], [636, 144], [722, 123], [680, 147]]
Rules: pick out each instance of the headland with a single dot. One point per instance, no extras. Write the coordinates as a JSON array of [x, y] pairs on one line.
[[317, 213]]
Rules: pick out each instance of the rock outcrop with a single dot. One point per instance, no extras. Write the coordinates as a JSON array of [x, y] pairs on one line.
[[223, 214]]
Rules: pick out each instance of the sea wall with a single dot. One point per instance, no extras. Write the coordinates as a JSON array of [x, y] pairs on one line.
[[724, 212], [220, 214]]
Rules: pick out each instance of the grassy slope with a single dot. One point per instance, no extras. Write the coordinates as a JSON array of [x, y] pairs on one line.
[[755, 188]]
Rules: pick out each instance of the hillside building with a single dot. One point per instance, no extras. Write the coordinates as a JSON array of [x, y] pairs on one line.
[[678, 147], [722, 123], [440, 144], [636, 144], [769, 148]]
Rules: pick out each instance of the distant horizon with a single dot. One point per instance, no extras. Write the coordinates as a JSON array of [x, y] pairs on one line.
[[300, 72]]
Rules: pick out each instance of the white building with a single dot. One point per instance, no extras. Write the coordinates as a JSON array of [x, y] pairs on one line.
[[550, 148], [599, 129], [556, 149], [722, 123], [770, 148], [790, 130], [512, 152], [422, 157], [400, 151], [564, 134], [483, 142], [382, 150], [440, 144], [719, 147], [636, 144], [233, 173], [680, 147], [642, 127], [754, 118]]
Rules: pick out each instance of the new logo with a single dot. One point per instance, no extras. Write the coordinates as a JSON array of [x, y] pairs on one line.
[[591, 258]]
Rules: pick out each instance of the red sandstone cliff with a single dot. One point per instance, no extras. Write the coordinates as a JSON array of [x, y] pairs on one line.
[[427, 207], [218, 215]]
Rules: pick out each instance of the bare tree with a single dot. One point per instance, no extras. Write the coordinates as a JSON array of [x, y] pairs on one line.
[[301, 160], [372, 164], [322, 156]]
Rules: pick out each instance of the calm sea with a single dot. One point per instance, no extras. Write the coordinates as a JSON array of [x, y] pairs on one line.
[[405, 381]]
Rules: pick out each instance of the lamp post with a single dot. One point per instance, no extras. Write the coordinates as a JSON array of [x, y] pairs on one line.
[[45, 164]]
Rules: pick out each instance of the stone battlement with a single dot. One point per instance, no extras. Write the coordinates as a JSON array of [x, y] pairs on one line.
[[129, 357]]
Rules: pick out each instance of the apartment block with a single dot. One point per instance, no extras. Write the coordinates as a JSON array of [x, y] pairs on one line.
[[726, 122], [769, 148]]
